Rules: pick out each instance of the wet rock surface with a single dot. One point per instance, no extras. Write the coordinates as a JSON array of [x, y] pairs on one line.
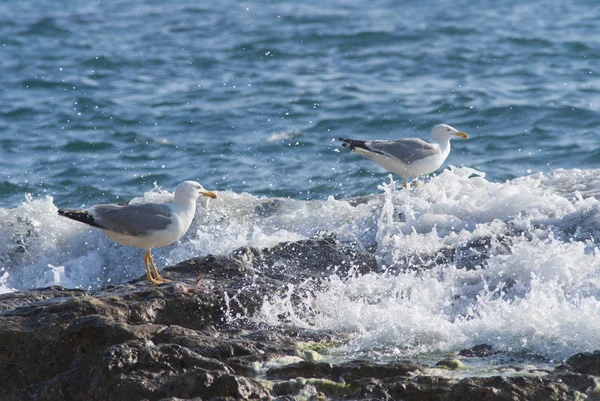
[[193, 339]]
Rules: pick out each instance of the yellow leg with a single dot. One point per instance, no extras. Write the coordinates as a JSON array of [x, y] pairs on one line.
[[147, 258], [159, 278], [415, 183], [404, 184]]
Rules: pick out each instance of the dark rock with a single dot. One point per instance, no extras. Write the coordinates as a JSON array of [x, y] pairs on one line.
[[237, 387], [431, 388], [24, 298], [585, 362], [357, 370], [136, 370], [194, 340], [304, 369], [308, 259], [479, 351], [345, 372], [269, 207], [373, 389], [545, 388], [323, 387]]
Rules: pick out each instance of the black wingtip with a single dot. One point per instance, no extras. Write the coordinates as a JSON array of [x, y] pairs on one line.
[[352, 144], [78, 215]]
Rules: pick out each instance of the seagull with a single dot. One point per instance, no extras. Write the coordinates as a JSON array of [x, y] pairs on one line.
[[145, 225], [408, 157]]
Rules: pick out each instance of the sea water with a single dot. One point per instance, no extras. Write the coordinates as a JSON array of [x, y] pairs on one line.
[[112, 101], [100, 100]]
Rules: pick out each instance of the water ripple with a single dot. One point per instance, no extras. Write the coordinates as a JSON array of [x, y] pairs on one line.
[[97, 93], [46, 27]]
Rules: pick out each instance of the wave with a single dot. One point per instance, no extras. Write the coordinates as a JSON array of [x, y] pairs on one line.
[[47, 27], [463, 260], [454, 207]]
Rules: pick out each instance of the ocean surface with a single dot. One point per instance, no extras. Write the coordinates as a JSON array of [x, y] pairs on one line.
[[108, 101]]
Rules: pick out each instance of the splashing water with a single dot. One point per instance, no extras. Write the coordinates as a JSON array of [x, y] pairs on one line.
[[463, 260], [529, 283]]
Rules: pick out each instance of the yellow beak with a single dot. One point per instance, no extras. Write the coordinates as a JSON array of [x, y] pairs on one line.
[[209, 194], [462, 135]]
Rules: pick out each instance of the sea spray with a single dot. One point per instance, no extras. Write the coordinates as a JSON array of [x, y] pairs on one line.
[[533, 287], [462, 260]]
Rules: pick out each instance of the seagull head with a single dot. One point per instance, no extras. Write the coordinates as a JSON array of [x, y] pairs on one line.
[[192, 190], [443, 132]]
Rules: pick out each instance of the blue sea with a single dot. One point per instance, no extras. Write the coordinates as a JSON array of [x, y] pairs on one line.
[[106, 101]]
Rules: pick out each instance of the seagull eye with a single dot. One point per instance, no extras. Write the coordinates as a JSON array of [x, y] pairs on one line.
[[448, 129]]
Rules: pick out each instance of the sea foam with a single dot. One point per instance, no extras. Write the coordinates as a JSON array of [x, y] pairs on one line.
[[535, 290]]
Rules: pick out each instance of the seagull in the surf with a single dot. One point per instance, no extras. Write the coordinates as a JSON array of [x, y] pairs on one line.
[[408, 157], [145, 225]]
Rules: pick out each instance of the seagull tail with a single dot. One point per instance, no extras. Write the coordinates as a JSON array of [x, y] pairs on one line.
[[352, 144], [79, 215]]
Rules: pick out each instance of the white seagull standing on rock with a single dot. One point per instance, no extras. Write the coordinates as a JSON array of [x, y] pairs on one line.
[[145, 225]]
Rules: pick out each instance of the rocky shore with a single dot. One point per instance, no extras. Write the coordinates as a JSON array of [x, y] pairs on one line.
[[193, 339]]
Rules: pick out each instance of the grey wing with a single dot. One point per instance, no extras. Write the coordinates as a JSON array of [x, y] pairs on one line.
[[408, 150], [136, 219]]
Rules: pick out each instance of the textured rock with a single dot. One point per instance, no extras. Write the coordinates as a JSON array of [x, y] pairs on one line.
[[193, 341], [480, 350], [551, 387], [586, 362]]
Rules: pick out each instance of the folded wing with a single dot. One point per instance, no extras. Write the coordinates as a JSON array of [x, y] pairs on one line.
[[407, 150], [136, 219]]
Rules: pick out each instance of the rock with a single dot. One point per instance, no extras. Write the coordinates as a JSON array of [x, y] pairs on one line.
[[327, 388], [546, 388], [141, 341], [308, 259], [304, 369], [585, 362], [450, 364], [345, 372], [357, 370], [479, 351], [432, 388]]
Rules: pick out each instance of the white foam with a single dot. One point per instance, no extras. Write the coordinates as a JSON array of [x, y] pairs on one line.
[[36, 243], [541, 295], [284, 136]]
